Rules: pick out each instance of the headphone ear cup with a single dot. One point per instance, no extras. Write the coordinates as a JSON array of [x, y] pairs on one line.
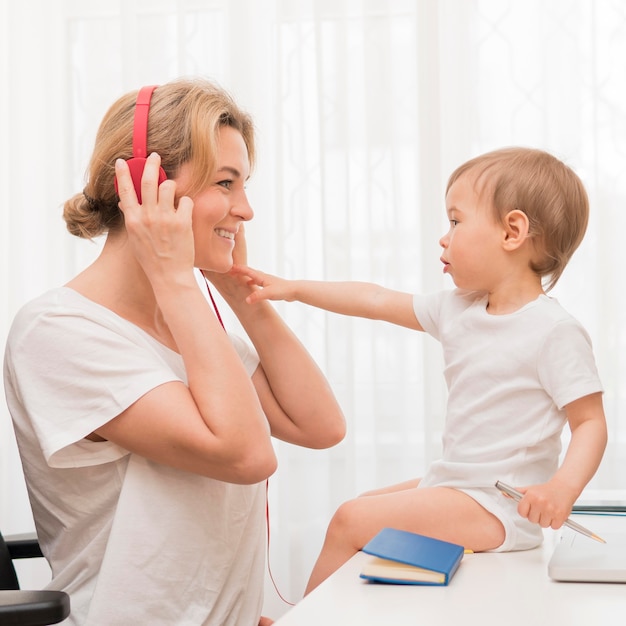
[[136, 166]]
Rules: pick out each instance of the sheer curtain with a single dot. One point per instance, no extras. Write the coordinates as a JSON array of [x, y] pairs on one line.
[[363, 108]]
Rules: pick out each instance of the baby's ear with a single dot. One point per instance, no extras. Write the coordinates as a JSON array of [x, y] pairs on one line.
[[516, 226]]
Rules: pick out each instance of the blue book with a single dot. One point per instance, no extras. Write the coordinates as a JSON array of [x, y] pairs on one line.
[[405, 558]]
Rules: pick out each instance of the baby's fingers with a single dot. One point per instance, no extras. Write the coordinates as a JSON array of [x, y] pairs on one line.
[[254, 276], [258, 294]]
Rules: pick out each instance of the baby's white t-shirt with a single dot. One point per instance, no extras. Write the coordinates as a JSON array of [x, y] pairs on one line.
[[131, 541], [508, 378]]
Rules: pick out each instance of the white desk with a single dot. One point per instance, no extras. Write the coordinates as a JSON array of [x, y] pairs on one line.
[[489, 588]]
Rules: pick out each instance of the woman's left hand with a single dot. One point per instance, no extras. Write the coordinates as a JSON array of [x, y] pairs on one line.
[[240, 252]]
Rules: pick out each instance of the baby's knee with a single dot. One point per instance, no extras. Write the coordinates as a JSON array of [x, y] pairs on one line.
[[344, 519]]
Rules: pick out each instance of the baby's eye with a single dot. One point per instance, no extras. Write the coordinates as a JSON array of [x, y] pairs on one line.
[[454, 222]]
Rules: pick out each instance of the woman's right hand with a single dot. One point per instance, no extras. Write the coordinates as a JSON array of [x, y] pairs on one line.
[[159, 231]]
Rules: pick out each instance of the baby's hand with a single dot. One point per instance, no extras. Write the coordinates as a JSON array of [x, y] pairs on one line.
[[267, 287], [547, 504]]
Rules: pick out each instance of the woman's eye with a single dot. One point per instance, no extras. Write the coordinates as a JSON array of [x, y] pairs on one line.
[[225, 183]]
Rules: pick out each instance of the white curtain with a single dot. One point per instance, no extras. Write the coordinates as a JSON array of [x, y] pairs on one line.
[[363, 108]]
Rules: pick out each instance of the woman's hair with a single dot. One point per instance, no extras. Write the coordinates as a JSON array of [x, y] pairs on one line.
[[183, 127], [550, 194]]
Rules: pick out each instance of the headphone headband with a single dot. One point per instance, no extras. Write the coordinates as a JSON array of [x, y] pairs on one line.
[[140, 128], [140, 140]]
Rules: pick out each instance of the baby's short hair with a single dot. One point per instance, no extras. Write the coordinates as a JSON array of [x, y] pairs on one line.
[[546, 190]]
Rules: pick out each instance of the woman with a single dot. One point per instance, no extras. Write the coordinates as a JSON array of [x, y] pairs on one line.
[[143, 427]]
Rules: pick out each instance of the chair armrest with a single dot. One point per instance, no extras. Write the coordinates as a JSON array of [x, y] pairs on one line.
[[23, 546], [33, 607]]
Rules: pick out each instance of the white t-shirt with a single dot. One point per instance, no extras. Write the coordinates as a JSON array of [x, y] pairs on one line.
[[131, 541], [508, 378]]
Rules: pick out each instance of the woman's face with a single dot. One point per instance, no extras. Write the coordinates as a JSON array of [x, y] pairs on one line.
[[219, 209]]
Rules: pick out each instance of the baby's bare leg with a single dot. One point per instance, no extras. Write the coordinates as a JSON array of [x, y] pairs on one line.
[[407, 484], [438, 512]]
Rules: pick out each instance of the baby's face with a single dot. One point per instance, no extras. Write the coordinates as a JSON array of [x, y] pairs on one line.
[[472, 245]]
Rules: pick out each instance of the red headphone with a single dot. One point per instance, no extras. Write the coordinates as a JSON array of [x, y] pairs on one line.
[[140, 140]]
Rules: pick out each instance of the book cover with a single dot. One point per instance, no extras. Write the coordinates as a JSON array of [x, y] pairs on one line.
[[406, 558]]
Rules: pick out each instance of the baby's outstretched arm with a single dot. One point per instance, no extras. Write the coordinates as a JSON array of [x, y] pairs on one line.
[[357, 299]]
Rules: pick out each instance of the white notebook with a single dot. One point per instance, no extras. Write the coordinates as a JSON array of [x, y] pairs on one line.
[[577, 558]]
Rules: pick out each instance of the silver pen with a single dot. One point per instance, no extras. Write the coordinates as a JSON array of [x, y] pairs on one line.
[[517, 496]]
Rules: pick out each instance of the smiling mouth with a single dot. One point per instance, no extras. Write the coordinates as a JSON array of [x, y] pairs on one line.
[[225, 233]]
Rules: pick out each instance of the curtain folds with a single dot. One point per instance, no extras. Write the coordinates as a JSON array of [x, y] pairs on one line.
[[363, 108]]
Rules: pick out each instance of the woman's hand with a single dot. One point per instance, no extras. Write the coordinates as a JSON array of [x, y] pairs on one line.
[[159, 232]]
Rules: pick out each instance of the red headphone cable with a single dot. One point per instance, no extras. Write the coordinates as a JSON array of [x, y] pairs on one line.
[[267, 481]]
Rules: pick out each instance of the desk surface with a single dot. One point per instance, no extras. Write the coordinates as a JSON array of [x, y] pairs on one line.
[[510, 588]]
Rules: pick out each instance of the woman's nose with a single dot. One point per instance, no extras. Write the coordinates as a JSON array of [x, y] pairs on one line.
[[242, 208]]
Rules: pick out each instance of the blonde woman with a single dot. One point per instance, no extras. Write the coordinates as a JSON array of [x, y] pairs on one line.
[[143, 427]]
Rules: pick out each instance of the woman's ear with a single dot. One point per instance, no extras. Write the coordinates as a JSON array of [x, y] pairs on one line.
[[516, 226]]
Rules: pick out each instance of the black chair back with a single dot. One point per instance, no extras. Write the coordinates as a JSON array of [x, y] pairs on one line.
[[26, 608], [8, 577]]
